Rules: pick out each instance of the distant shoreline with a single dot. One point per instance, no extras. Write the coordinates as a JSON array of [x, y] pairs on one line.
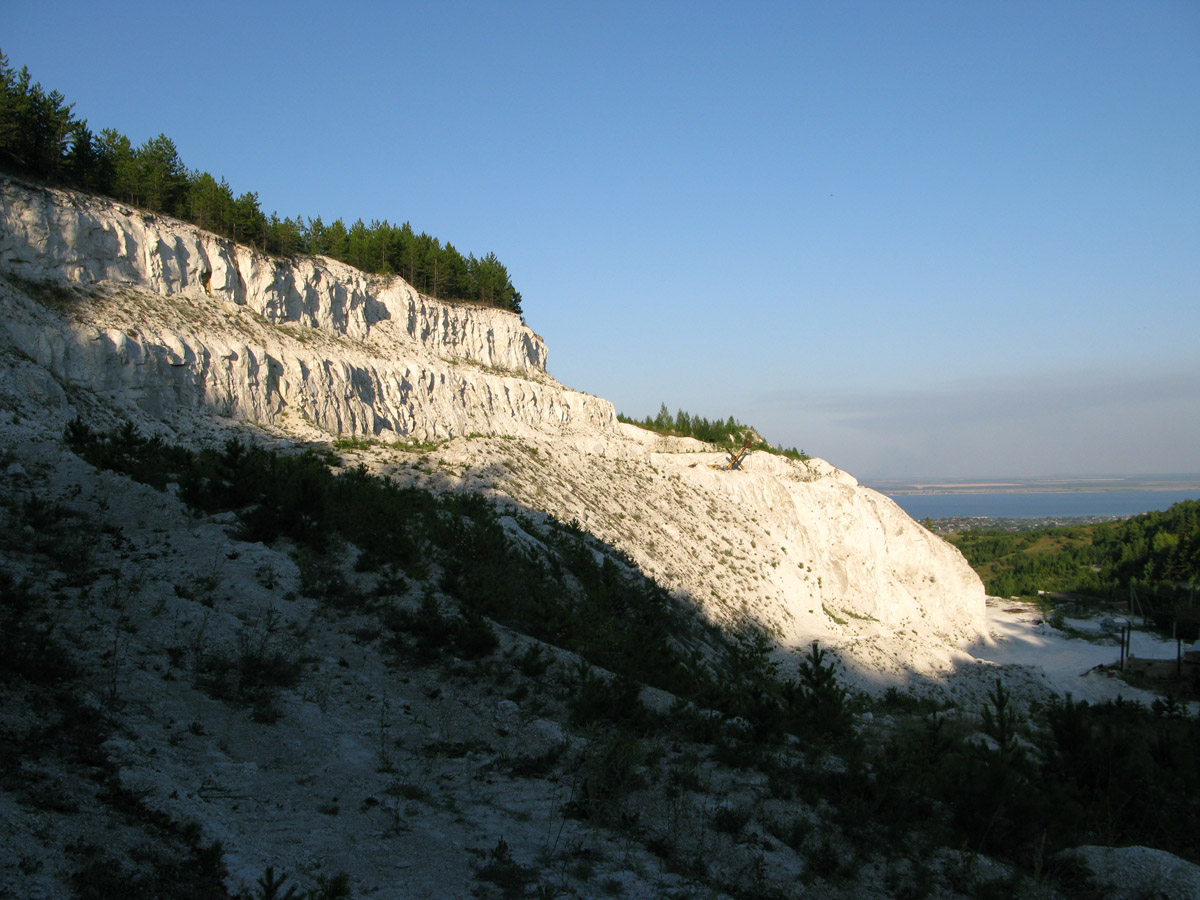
[[1048, 502], [1078, 485]]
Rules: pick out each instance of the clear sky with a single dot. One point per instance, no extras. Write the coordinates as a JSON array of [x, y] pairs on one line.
[[914, 238]]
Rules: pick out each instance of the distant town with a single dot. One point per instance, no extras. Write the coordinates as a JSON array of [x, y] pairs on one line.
[[959, 524]]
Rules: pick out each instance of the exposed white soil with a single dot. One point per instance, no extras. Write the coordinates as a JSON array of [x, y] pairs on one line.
[[408, 777], [1081, 659], [157, 321], [404, 777]]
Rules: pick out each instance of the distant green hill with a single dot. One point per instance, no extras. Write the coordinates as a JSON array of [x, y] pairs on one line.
[[1157, 552]]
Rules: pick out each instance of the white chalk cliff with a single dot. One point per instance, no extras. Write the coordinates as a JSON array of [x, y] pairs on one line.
[[177, 317], [106, 305]]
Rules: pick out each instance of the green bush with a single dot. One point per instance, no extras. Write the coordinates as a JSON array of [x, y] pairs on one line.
[[428, 634], [28, 648], [595, 698]]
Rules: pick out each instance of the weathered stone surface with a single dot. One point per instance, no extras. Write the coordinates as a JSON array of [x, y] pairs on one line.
[[168, 316], [161, 320], [1138, 873]]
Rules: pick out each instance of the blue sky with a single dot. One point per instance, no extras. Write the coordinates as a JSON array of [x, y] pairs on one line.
[[917, 239]]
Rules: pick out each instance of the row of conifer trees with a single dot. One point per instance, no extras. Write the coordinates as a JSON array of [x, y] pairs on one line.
[[41, 138]]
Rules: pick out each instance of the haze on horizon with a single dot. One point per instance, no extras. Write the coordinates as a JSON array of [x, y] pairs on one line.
[[925, 239]]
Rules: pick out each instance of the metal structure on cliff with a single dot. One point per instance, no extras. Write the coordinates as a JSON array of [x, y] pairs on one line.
[[735, 459]]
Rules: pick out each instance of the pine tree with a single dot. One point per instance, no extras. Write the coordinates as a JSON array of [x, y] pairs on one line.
[[162, 178]]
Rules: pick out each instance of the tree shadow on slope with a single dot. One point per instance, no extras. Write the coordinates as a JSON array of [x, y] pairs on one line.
[[1023, 779], [488, 563], [1009, 783]]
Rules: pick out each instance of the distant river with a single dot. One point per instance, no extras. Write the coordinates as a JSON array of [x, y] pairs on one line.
[[1039, 504]]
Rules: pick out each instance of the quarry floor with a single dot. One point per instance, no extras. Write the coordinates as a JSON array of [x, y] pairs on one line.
[[1018, 635]]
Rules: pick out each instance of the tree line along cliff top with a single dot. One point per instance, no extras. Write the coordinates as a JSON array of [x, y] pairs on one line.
[[42, 139], [717, 431]]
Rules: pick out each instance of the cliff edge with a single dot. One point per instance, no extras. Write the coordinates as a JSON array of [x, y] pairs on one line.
[[109, 308], [150, 311]]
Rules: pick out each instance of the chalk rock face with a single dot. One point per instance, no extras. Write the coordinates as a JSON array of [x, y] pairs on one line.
[[882, 573], [797, 546], [167, 316], [1138, 873], [161, 320]]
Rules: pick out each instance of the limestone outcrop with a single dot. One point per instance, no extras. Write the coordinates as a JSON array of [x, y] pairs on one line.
[[797, 546], [167, 316], [163, 321]]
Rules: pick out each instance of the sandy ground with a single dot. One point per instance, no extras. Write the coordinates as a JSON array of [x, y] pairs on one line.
[[1018, 636]]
